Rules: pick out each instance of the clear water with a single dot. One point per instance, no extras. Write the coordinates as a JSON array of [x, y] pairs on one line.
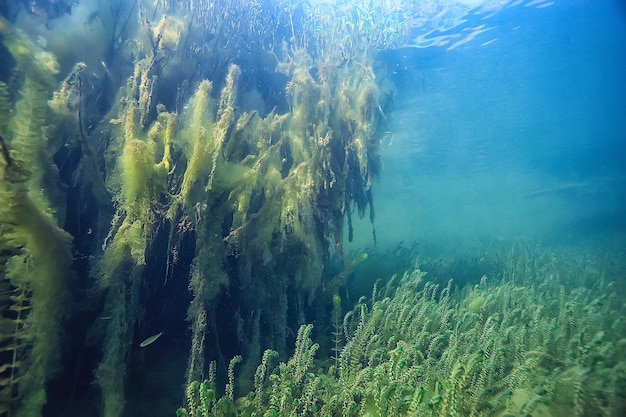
[[518, 133]]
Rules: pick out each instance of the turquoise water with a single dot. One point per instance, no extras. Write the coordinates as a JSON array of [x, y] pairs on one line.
[[522, 137]]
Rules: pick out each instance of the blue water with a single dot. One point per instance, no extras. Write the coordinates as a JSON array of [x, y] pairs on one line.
[[518, 134]]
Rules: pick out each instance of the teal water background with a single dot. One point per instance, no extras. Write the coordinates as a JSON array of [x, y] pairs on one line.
[[517, 134]]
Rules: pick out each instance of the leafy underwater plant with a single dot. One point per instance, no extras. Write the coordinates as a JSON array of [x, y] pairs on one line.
[[538, 348]]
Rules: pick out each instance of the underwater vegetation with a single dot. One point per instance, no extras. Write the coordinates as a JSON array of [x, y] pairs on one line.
[[184, 174], [35, 251], [545, 337], [135, 165]]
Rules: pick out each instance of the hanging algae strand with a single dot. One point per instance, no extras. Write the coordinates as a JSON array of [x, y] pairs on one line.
[[140, 169], [35, 266], [140, 183]]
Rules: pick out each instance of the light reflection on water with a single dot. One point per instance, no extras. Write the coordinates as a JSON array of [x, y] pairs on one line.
[[452, 23]]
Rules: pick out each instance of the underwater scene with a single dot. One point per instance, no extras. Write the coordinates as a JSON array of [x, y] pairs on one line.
[[312, 208]]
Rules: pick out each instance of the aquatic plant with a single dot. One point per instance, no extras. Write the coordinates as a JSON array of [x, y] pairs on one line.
[[265, 195], [544, 347], [36, 256]]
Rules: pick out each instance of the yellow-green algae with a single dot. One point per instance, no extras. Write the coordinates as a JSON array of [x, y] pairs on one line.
[[35, 271], [282, 183]]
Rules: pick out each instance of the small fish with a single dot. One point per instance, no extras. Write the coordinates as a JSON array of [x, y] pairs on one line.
[[150, 340]]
